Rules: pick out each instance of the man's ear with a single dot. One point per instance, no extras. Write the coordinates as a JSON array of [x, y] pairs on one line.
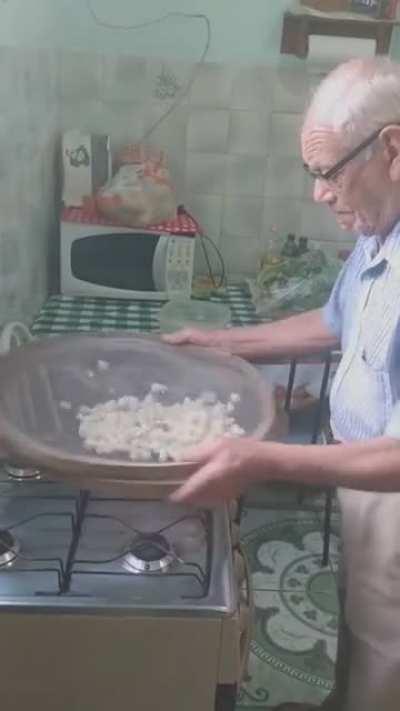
[[390, 138]]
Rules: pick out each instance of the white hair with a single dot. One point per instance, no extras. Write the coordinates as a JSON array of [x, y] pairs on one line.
[[356, 98]]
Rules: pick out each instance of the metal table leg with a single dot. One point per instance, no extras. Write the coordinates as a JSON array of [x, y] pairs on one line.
[[289, 390], [327, 527]]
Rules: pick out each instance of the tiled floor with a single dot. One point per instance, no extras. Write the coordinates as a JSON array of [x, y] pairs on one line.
[[296, 607]]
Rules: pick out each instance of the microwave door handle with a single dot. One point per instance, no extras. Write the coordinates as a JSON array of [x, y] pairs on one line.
[[160, 263]]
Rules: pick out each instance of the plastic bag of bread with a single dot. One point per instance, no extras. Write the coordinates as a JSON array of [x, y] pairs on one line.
[[140, 193]]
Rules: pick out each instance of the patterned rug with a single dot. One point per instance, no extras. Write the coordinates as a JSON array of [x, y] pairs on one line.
[[293, 649]]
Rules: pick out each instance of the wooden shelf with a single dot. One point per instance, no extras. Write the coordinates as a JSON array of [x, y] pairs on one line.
[[297, 27]]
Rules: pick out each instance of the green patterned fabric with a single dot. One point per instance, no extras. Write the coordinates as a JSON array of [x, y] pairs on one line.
[[296, 607], [62, 314]]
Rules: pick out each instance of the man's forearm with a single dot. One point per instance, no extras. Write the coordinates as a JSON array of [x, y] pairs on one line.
[[371, 465], [295, 336]]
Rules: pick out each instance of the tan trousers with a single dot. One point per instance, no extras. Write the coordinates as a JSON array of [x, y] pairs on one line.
[[365, 679], [374, 680]]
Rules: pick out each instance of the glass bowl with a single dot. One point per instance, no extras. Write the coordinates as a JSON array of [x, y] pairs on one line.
[[193, 313]]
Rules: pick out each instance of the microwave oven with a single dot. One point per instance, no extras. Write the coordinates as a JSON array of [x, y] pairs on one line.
[[104, 260]]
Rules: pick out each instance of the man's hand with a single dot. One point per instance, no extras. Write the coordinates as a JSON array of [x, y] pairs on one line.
[[198, 337], [225, 468]]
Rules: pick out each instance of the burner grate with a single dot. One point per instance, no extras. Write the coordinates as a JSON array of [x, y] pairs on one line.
[[9, 548], [11, 553], [20, 474], [159, 566], [147, 554]]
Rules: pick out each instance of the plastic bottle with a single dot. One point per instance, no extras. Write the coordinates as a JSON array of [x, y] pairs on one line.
[[302, 248], [289, 249]]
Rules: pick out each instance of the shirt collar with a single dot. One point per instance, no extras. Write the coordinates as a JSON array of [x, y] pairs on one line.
[[388, 252]]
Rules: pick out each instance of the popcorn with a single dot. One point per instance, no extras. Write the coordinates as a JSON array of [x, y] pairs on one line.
[[149, 430], [235, 398], [65, 405], [158, 389]]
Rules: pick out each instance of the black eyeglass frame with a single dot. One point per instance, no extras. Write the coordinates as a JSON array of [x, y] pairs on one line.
[[335, 169]]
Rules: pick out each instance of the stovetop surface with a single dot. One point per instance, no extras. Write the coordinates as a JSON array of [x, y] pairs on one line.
[[77, 551]]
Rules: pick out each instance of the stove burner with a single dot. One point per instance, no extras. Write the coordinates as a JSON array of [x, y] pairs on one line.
[[149, 553], [19, 474], [8, 548]]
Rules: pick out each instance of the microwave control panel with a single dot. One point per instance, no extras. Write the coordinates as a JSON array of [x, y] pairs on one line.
[[180, 260]]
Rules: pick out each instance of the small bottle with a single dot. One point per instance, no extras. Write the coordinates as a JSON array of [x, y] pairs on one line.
[[289, 249], [302, 248]]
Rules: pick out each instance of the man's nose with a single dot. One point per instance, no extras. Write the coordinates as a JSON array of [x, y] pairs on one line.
[[322, 191]]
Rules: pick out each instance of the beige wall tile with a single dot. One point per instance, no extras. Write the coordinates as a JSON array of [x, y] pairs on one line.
[[207, 130], [248, 133]]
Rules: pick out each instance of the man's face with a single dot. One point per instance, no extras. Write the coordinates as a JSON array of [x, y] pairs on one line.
[[356, 194]]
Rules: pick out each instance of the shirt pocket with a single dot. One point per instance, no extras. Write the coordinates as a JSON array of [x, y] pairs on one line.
[[379, 327], [376, 360]]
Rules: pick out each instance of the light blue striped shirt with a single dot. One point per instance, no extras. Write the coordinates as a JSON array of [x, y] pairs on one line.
[[364, 312]]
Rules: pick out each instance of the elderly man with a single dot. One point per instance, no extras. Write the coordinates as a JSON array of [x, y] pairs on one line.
[[351, 148]]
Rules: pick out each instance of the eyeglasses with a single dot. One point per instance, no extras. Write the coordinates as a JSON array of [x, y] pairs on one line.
[[336, 169]]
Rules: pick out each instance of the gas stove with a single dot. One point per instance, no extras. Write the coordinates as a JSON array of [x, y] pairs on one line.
[[62, 548], [115, 602], [119, 603]]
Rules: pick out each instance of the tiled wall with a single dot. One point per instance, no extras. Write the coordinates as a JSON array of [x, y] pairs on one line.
[[28, 121], [233, 142], [232, 145]]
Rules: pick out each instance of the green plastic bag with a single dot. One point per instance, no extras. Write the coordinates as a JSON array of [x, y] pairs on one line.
[[289, 285]]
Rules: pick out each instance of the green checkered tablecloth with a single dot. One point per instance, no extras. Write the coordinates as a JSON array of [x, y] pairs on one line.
[[62, 314]]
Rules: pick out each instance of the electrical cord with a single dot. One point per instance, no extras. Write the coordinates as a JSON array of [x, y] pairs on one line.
[[149, 23], [142, 25], [222, 278]]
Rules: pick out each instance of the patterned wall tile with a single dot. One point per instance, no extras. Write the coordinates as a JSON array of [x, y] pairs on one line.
[[169, 81]]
